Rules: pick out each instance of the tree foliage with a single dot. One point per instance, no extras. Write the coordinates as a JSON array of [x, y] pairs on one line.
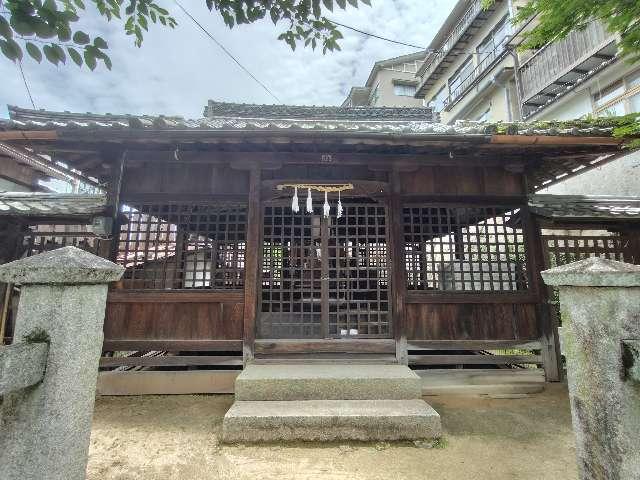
[[556, 18], [48, 28]]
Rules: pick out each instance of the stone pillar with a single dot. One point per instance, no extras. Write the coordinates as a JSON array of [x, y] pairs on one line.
[[45, 428], [600, 307]]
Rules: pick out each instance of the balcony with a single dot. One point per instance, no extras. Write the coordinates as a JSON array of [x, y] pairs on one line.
[[476, 74], [454, 44], [558, 66]]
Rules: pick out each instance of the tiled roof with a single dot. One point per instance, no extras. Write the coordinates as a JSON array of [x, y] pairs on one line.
[[51, 204], [575, 207], [245, 110], [272, 118]]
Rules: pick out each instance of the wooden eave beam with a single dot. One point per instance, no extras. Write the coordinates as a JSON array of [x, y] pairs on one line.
[[28, 135], [553, 140]]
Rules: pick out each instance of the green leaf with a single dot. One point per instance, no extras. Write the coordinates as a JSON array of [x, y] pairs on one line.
[[90, 59], [99, 42], [59, 52], [11, 49], [34, 51], [328, 4], [79, 3], [50, 54], [64, 33], [342, 3], [81, 38], [75, 56], [5, 29], [107, 62]]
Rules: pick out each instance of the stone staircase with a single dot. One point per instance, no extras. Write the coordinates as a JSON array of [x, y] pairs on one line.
[[329, 402]]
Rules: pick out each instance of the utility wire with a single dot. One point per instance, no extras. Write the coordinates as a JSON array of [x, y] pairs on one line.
[[206, 32], [378, 36], [26, 84], [427, 49]]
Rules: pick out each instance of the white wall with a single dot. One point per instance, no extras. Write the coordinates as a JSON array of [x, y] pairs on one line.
[[620, 177]]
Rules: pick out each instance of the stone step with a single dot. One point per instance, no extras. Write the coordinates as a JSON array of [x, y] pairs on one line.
[[327, 382], [328, 420]]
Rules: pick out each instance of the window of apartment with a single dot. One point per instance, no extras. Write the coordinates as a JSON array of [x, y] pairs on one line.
[[619, 98], [494, 40], [404, 90], [437, 102], [460, 76]]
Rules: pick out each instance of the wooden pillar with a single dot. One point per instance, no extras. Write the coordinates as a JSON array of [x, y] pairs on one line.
[[398, 268], [109, 248], [251, 265], [547, 321]]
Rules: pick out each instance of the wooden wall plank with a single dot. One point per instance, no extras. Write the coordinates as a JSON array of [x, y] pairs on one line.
[[471, 322]]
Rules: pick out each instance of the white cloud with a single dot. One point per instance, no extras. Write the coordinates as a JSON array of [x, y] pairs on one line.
[[176, 72]]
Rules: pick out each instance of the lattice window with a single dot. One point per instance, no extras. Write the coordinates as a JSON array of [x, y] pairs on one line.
[[46, 237], [183, 246], [563, 249], [291, 275], [358, 273], [465, 249]]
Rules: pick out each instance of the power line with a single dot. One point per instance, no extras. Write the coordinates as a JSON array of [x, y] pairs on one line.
[[378, 36], [427, 49], [228, 53], [26, 84]]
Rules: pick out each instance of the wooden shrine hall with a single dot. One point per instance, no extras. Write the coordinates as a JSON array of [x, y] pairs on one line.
[[298, 234]]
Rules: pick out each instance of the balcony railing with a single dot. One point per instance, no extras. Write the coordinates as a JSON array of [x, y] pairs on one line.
[[487, 62], [553, 61], [457, 31]]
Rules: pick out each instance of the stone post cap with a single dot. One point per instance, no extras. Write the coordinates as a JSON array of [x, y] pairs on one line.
[[594, 272], [66, 265]]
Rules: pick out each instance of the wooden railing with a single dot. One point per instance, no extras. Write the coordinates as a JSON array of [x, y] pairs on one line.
[[457, 31], [557, 59]]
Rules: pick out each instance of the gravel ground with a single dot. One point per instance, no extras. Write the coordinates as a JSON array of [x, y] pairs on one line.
[[177, 437]]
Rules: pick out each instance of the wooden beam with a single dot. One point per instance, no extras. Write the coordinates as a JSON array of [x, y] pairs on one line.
[[553, 140], [170, 345], [473, 344], [252, 264], [171, 361], [473, 298], [271, 347], [398, 269], [473, 359], [28, 135], [211, 296]]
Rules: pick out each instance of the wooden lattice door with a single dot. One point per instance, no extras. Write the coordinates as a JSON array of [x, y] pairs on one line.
[[325, 277]]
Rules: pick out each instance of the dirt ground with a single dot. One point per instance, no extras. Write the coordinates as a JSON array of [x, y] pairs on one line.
[[177, 437]]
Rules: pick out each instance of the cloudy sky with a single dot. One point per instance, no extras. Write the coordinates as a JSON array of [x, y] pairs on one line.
[[176, 71]]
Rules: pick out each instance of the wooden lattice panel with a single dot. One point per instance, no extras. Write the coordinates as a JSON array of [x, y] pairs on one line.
[[46, 237], [183, 246], [464, 249], [359, 273], [291, 305], [325, 277], [563, 249]]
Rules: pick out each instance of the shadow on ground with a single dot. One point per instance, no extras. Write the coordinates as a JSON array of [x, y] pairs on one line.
[[177, 437]]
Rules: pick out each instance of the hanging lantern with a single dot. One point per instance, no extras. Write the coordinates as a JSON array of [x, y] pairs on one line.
[[295, 206], [309, 201], [339, 209], [326, 209]]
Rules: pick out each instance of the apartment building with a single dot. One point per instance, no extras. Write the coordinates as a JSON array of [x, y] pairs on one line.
[[470, 72], [391, 83], [477, 72]]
